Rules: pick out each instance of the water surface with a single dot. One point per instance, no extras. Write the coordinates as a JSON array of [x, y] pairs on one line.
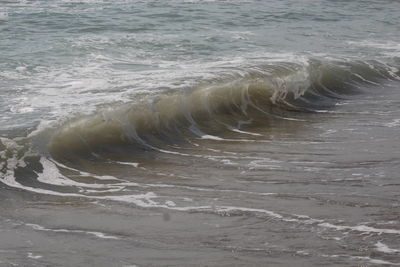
[[199, 133]]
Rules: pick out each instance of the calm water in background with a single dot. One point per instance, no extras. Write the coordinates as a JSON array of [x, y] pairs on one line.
[[199, 133]]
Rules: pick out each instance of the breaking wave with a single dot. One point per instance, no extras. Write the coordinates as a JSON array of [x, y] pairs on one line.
[[254, 96], [73, 158]]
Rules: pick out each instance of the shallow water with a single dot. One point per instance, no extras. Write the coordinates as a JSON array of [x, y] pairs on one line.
[[199, 133]]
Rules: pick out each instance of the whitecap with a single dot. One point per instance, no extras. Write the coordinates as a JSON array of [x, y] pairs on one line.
[[385, 249]]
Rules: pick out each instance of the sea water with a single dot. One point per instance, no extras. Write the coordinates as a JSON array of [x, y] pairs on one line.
[[199, 133]]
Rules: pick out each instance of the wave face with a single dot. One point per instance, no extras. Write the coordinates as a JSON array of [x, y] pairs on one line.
[[242, 105], [248, 97]]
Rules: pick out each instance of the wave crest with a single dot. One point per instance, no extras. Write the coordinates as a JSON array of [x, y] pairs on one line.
[[258, 95]]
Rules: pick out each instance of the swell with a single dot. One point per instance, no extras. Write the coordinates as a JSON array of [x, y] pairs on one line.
[[256, 95]]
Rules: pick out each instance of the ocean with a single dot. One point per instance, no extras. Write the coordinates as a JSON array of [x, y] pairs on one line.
[[199, 133]]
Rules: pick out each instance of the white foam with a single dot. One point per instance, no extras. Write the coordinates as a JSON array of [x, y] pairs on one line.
[[33, 256], [388, 48], [360, 228], [385, 249], [148, 199], [9, 144], [388, 45], [376, 261], [211, 137], [232, 208], [303, 252], [97, 234], [87, 83], [142, 200], [103, 191], [21, 110], [394, 123], [43, 125], [170, 203], [51, 175], [86, 174], [46, 176], [226, 209], [244, 132], [228, 162], [134, 164], [104, 177]]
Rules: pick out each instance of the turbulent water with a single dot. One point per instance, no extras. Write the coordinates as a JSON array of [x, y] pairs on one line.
[[199, 133]]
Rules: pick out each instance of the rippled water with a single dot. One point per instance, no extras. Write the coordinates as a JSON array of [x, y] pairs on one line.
[[199, 133]]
